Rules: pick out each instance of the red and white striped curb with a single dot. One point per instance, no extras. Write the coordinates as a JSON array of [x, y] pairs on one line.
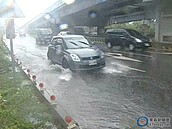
[[63, 117]]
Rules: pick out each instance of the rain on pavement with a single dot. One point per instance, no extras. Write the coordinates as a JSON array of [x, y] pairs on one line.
[[130, 86]]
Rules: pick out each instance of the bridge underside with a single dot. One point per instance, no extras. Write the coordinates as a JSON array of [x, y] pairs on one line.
[[102, 14]]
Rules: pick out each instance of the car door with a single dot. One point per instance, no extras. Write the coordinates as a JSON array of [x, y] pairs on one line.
[[112, 38], [123, 40], [115, 37], [58, 50], [52, 50]]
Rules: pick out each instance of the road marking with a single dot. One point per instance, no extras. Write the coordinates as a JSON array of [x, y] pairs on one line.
[[124, 58], [137, 54], [167, 53], [118, 54], [130, 68], [139, 70], [162, 53]]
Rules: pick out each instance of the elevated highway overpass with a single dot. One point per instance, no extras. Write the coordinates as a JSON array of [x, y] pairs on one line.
[[101, 13], [96, 12]]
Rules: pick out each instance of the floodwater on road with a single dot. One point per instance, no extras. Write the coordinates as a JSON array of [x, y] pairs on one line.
[[111, 98]]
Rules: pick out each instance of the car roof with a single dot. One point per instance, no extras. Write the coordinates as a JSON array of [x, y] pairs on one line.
[[67, 36], [116, 30], [112, 30]]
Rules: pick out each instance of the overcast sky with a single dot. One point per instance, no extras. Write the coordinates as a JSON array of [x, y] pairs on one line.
[[32, 8]]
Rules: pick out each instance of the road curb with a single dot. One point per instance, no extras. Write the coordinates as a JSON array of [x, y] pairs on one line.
[[167, 48], [60, 115], [161, 49]]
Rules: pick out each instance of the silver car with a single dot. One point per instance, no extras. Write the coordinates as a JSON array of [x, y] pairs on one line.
[[75, 52]]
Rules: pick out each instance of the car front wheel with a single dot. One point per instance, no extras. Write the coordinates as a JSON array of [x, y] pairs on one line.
[[131, 47], [65, 63], [48, 56], [109, 45]]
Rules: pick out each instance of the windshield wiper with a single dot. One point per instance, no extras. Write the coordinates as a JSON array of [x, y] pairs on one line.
[[89, 45], [73, 43], [84, 43], [79, 45]]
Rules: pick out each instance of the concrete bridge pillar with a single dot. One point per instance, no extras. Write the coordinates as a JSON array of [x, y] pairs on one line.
[[158, 22], [100, 30], [163, 26]]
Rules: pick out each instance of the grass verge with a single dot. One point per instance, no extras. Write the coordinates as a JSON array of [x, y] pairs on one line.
[[19, 106]]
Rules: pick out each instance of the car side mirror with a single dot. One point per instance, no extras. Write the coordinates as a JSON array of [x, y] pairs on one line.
[[58, 46], [92, 43], [58, 49], [55, 43]]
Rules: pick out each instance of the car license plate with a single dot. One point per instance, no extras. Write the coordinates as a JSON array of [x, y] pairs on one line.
[[147, 44], [92, 62]]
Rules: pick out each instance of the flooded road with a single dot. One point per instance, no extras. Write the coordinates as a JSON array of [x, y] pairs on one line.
[[130, 86]]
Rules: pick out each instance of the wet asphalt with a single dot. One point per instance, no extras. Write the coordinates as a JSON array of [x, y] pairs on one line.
[[133, 84]]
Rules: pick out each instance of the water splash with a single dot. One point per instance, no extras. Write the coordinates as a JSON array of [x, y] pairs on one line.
[[111, 70], [64, 74]]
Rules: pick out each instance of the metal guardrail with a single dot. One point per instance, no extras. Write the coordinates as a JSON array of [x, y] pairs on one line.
[[95, 39]]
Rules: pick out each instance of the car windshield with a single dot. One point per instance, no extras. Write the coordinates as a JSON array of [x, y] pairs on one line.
[[76, 42], [135, 34]]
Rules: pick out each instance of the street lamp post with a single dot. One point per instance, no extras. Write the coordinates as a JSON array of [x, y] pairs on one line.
[[10, 11], [10, 34]]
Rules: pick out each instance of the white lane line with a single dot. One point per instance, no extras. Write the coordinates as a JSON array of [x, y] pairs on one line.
[[131, 53], [127, 67], [118, 54], [139, 70], [160, 53], [124, 58], [167, 53]]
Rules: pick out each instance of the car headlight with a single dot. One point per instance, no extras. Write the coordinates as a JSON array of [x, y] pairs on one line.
[[102, 55], [75, 57], [150, 40], [138, 40]]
